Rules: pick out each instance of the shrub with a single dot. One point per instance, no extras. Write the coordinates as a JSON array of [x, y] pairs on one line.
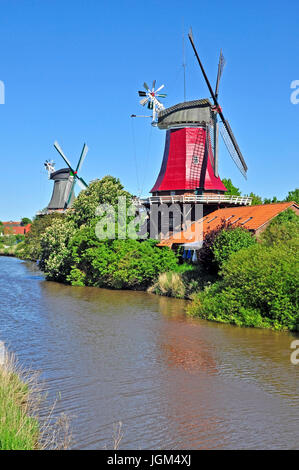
[[283, 228], [259, 287], [183, 282], [220, 243], [169, 284], [229, 241], [117, 263]]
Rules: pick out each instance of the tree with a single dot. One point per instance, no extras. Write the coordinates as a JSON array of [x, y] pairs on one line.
[[31, 247], [25, 221], [293, 196], [1, 228], [270, 201], [231, 189], [55, 255], [256, 200], [107, 190]]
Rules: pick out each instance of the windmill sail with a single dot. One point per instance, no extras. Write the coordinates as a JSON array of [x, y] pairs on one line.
[[230, 138], [221, 65], [232, 150], [82, 157]]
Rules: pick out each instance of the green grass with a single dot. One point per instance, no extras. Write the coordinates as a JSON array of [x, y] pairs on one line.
[[8, 251], [18, 430]]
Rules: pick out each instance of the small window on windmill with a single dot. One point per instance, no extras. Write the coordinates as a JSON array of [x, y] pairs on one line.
[[195, 159]]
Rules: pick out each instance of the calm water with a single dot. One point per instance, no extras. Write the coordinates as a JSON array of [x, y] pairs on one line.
[[174, 383]]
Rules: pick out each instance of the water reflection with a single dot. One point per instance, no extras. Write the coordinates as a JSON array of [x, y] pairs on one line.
[[128, 356]]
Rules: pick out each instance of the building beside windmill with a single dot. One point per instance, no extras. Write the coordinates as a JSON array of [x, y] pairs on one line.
[[255, 219], [15, 228]]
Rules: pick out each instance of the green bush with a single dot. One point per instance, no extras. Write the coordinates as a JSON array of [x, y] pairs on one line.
[[219, 244], [283, 228], [229, 241], [259, 288], [116, 263]]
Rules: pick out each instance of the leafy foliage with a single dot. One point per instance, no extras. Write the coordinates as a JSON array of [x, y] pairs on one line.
[[283, 228], [220, 243], [55, 254], [229, 241], [258, 285], [293, 196], [107, 190], [25, 221], [116, 263], [256, 200], [31, 248], [231, 189]]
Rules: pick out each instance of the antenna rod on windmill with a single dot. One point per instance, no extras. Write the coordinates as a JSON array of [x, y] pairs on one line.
[[184, 63]]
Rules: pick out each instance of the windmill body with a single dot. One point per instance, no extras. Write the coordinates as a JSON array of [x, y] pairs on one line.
[[188, 163], [64, 180]]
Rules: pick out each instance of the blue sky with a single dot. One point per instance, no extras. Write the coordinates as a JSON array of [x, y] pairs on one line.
[[72, 69]]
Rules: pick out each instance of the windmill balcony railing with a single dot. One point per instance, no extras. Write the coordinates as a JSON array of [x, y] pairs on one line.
[[197, 198]]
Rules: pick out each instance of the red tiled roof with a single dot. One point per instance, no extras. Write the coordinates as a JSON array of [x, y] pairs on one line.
[[14, 228], [250, 217]]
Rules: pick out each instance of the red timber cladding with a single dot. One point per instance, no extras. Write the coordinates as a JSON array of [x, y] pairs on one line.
[[187, 161]]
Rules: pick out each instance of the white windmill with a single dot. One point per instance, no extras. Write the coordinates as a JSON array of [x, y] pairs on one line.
[[50, 167], [150, 97]]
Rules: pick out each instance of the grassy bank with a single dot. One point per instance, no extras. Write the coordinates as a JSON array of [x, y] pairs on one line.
[[19, 429], [8, 251], [21, 426]]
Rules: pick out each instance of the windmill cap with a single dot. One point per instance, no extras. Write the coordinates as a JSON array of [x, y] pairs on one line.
[[62, 174], [196, 112]]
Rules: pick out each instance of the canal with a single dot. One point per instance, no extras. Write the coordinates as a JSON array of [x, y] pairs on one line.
[[173, 382]]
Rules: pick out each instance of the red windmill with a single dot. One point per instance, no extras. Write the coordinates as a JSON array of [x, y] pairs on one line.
[[189, 170]]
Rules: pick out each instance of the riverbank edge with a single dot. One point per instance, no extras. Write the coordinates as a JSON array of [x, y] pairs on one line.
[[175, 288], [19, 429]]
